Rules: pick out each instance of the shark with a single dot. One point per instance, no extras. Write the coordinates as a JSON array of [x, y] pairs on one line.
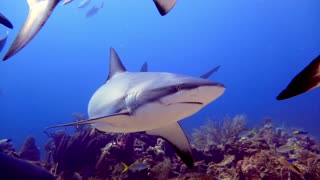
[[306, 80], [5, 21], [151, 102], [40, 11]]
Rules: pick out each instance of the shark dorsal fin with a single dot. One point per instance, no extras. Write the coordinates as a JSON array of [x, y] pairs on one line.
[[116, 65]]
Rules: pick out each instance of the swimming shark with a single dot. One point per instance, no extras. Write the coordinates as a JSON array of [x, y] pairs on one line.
[[153, 102], [5, 21], [3, 41], [39, 12], [306, 80]]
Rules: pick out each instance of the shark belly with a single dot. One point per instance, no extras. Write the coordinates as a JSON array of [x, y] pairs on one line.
[[149, 116]]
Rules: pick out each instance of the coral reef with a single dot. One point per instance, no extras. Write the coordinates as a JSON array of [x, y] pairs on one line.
[[222, 150]]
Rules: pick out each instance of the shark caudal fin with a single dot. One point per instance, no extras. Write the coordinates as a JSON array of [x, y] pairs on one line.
[[176, 137], [306, 80], [39, 12]]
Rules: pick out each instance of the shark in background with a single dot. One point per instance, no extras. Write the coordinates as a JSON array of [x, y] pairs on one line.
[[40, 11], [306, 80], [153, 102]]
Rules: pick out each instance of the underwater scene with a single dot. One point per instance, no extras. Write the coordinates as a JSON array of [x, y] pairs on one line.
[[159, 89]]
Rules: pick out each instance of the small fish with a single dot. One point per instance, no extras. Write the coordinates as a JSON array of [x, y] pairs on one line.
[[134, 167], [306, 80], [297, 132], [246, 133], [3, 41], [286, 148], [291, 166], [94, 10], [84, 3], [5, 21]]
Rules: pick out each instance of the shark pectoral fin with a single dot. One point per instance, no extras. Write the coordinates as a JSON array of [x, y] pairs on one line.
[[39, 12], [105, 121], [176, 137], [164, 6]]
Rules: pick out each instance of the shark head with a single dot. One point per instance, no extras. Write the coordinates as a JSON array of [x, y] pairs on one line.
[[153, 102]]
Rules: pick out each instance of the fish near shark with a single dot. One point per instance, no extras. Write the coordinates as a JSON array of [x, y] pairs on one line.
[[94, 10], [306, 80], [5, 21], [153, 102], [39, 12]]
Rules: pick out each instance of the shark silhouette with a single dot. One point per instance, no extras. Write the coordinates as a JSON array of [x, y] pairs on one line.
[[306, 80], [153, 102]]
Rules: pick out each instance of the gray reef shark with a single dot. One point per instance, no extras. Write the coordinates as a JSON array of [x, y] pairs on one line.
[[306, 80], [153, 102], [39, 12], [3, 41], [5, 21]]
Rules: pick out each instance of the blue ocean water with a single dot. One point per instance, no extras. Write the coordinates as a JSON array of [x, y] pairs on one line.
[[261, 45]]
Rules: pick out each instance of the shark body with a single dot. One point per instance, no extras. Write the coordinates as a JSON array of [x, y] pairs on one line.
[[306, 80], [153, 102]]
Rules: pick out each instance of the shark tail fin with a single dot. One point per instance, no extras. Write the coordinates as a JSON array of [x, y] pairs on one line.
[[176, 137], [306, 80], [164, 6]]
